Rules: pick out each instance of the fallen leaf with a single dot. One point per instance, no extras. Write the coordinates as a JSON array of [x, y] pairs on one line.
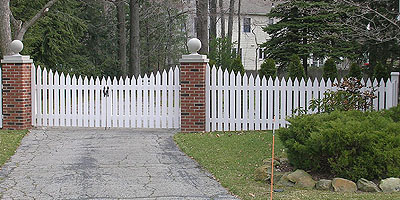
[[253, 195]]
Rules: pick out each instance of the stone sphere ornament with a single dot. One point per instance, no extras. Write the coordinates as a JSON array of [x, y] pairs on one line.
[[194, 45], [16, 46]]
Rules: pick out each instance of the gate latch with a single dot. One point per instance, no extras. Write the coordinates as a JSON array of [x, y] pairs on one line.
[[105, 91]]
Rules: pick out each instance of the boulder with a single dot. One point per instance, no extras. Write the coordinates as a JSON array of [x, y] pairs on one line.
[[343, 185], [323, 184], [284, 181], [365, 185], [301, 179], [268, 162], [390, 185], [262, 173]]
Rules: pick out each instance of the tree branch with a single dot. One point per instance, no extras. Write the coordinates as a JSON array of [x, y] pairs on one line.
[[21, 32]]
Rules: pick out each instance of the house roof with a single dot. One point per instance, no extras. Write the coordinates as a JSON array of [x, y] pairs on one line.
[[251, 7]]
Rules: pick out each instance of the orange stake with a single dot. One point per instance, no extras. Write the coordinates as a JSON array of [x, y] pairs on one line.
[[272, 163]]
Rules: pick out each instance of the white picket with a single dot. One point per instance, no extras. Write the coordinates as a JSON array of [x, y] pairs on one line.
[[164, 100], [381, 91], [177, 87], [50, 98], [251, 103], [270, 89], [257, 108], [133, 92], [283, 100], [127, 102], [225, 100], [170, 91], [120, 116], [238, 88], [62, 100], [92, 103], [80, 101], [56, 88], [232, 101], [389, 94], [264, 104], [245, 110], [276, 103], [208, 92]]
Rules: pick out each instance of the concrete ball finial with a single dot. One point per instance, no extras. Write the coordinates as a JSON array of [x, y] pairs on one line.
[[194, 45], [16, 46]]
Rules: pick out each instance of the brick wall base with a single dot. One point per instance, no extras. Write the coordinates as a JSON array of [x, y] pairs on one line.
[[193, 108], [17, 98]]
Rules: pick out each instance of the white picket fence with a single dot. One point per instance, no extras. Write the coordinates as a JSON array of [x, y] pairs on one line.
[[148, 102], [237, 102]]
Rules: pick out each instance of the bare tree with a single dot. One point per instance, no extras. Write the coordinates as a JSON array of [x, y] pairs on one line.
[[371, 24], [230, 19], [134, 56], [202, 24], [239, 28], [222, 17], [19, 27], [122, 36], [213, 19]]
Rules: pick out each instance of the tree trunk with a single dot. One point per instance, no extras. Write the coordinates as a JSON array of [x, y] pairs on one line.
[[239, 29], [202, 24], [5, 27], [222, 16], [134, 38], [230, 19], [122, 36], [213, 19]]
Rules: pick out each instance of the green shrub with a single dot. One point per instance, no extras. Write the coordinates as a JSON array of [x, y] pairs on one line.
[[350, 144], [355, 71], [393, 113], [330, 70], [237, 66], [381, 71], [295, 69], [268, 69]]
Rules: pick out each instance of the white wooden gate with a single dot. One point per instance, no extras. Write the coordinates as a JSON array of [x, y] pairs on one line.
[[146, 102]]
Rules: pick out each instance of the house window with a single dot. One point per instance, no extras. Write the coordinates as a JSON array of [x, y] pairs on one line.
[[246, 24], [271, 21]]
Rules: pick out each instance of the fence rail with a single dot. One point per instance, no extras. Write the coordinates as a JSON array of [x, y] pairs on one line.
[[237, 102], [146, 102]]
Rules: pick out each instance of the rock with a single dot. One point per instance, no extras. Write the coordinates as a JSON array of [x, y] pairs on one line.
[[367, 186], [390, 185], [301, 179], [262, 173], [284, 181], [323, 184], [268, 162], [343, 185]]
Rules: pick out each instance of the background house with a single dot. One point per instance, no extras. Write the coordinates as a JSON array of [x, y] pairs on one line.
[[252, 18]]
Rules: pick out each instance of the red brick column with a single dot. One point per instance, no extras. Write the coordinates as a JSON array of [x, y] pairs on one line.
[[193, 88], [17, 98]]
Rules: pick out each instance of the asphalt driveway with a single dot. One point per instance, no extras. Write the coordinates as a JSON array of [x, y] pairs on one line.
[[84, 163]]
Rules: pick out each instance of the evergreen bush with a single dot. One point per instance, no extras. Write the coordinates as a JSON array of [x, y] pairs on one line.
[[295, 69], [381, 72], [236, 66], [348, 144], [355, 71], [330, 70], [268, 69]]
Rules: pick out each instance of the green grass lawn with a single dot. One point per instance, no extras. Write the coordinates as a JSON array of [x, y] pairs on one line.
[[9, 142], [233, 157]]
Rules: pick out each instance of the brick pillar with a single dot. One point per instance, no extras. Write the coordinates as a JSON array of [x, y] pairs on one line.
[[193, 88], [17, 98]]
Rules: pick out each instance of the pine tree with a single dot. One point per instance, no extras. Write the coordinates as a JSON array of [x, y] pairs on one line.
[[355, 71], [307, 27], [330, 70], [268, 69], [295, 69], [381, 72], [236, 66]]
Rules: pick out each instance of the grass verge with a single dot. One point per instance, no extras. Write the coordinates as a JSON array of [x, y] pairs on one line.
[[9, 142], [233, 157]]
